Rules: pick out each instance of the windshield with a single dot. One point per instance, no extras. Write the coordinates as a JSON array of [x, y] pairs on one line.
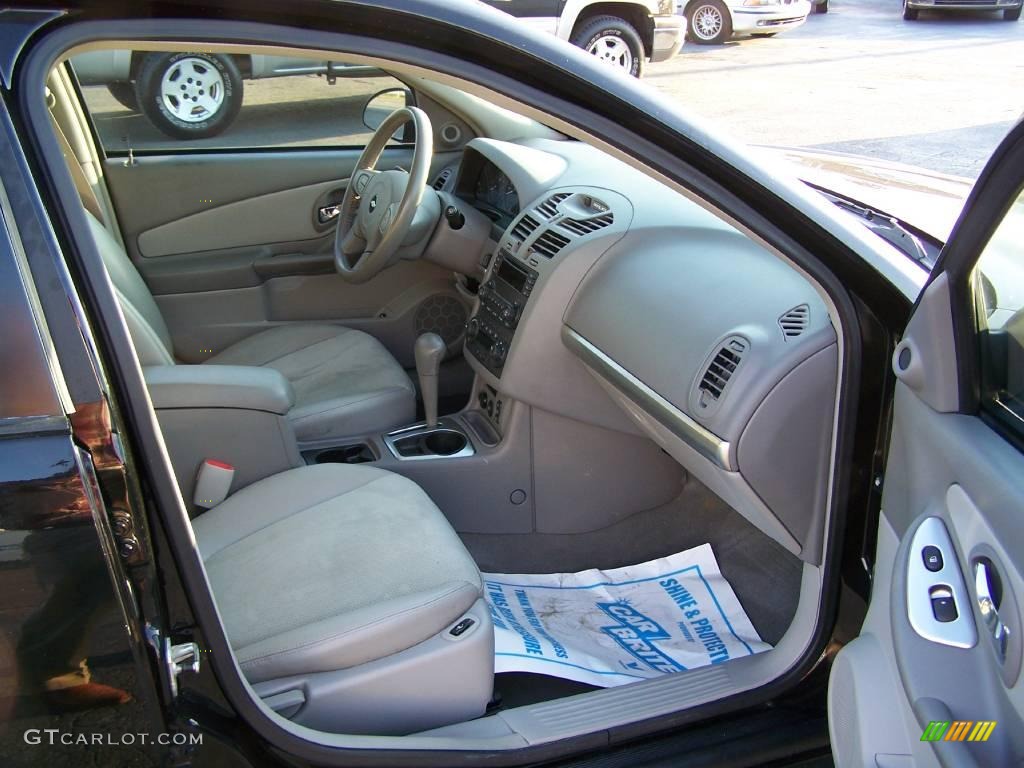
[[926, 92]]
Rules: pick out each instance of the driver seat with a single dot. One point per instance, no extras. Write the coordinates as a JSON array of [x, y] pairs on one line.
[[345, 382]]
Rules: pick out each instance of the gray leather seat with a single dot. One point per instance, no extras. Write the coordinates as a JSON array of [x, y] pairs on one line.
[[339, 584], [345, 382]]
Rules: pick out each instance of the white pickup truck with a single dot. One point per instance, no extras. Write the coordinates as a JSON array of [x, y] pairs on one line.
[[624, 33]]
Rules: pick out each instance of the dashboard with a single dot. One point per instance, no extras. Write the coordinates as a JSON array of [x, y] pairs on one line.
[[615, 301]]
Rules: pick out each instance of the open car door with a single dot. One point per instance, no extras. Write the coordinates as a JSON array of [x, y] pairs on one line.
[[935, 676]]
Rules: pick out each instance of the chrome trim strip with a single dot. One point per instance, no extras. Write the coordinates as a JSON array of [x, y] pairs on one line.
[[12, 426], [706, 443], [421, 429]]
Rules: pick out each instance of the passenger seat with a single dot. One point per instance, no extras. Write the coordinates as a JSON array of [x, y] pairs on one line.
[[350, 602]]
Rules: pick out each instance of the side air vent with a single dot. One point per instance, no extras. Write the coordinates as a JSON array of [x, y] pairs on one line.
[[442, 179], [719, 371], [549, 244], [794, 322], [582, 227], [525, 227], [549, 207]]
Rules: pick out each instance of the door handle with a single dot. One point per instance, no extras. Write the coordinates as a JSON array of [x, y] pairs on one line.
[[326, 213], [997, 629]]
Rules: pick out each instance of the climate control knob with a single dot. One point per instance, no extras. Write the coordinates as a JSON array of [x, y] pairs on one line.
[[472, 328]]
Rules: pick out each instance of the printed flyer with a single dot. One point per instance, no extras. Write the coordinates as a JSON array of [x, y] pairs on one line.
[[612, 627]]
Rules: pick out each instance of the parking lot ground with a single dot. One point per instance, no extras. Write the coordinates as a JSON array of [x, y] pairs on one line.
[[937, 93]]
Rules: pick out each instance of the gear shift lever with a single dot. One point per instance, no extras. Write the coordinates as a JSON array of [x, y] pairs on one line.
[[429, 351]]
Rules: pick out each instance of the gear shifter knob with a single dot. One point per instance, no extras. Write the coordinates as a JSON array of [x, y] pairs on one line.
[[429, 351]]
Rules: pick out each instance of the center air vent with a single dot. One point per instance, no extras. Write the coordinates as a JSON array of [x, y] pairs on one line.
[[549, 208], [525, 227], [794, 322], [582, 227], [549, 244], [718, 373]]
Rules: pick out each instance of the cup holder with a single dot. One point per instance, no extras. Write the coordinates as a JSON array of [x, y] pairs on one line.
[[346, 454], [445, 443], [435, 443]]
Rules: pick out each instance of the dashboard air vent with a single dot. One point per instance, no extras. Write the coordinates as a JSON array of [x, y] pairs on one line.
[[723, 365], [442, 179], [549, 207], [549, 244], [794, 322], [525, 227], [582, 227]]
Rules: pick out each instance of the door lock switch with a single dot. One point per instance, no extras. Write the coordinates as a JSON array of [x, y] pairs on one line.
[[932, 557], [943, 604]]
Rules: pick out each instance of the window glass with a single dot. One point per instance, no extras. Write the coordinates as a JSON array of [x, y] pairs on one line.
[[204, 100], [999, 287]]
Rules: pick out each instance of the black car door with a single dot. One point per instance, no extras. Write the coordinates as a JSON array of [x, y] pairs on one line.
[[935, 676]]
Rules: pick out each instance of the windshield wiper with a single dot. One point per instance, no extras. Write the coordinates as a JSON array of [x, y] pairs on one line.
[[886, 227]]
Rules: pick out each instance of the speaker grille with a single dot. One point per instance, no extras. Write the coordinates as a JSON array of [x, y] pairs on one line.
[[443, 315]]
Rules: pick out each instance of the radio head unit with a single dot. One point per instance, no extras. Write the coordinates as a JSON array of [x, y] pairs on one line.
[[503, 297]]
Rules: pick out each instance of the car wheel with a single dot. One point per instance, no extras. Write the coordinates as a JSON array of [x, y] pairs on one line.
[[821, 7], [189, 95], [709, 22], [614, 41], [1011, 14], [124, 94], [910, 14]]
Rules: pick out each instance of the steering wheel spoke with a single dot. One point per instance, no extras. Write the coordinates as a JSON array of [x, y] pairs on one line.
[[361, 179]]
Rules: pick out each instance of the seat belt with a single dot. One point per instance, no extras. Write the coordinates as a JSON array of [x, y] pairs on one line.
[[82, 185]]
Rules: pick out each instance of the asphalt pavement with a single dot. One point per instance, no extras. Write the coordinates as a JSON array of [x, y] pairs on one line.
[[938, 93]]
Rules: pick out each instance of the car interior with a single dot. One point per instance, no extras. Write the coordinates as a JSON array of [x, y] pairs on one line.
[[381, 370]]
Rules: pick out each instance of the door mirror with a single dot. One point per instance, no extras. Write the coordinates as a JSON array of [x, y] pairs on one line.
[[382, 104]]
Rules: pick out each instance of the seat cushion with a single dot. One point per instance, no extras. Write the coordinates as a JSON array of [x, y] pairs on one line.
[[346, 383], [330, 566]]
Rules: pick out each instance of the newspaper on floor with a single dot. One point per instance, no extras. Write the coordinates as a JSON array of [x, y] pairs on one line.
[[613, 627]]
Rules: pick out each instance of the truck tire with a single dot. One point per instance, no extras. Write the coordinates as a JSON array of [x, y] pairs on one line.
[[1011, 14], [709, 22], [821, 7], [124, 94], [614, 41], [910, 14], [189, 95]]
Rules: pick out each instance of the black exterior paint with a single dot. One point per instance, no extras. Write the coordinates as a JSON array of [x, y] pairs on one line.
[[526, 9], [157, 596]]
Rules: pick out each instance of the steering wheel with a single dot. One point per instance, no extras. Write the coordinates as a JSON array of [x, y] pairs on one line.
[[379, 206]]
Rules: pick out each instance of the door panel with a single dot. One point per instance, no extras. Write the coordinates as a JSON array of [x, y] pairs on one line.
[[288, 215], [935, 676], [234, 247]]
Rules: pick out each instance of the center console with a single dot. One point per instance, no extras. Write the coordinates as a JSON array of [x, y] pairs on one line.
[[502, 299]]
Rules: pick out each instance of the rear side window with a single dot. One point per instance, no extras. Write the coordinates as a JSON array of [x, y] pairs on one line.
[[999, 292], [210, 100]]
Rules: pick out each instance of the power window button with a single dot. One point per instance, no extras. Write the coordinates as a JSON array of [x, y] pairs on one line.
[[943, 605], [932, 557]]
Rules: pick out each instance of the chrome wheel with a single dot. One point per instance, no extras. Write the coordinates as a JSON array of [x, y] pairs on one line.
[[612, 49], [707, 22], [192, 90]]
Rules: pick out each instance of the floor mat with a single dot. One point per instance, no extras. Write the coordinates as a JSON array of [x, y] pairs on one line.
[[616, 626]]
